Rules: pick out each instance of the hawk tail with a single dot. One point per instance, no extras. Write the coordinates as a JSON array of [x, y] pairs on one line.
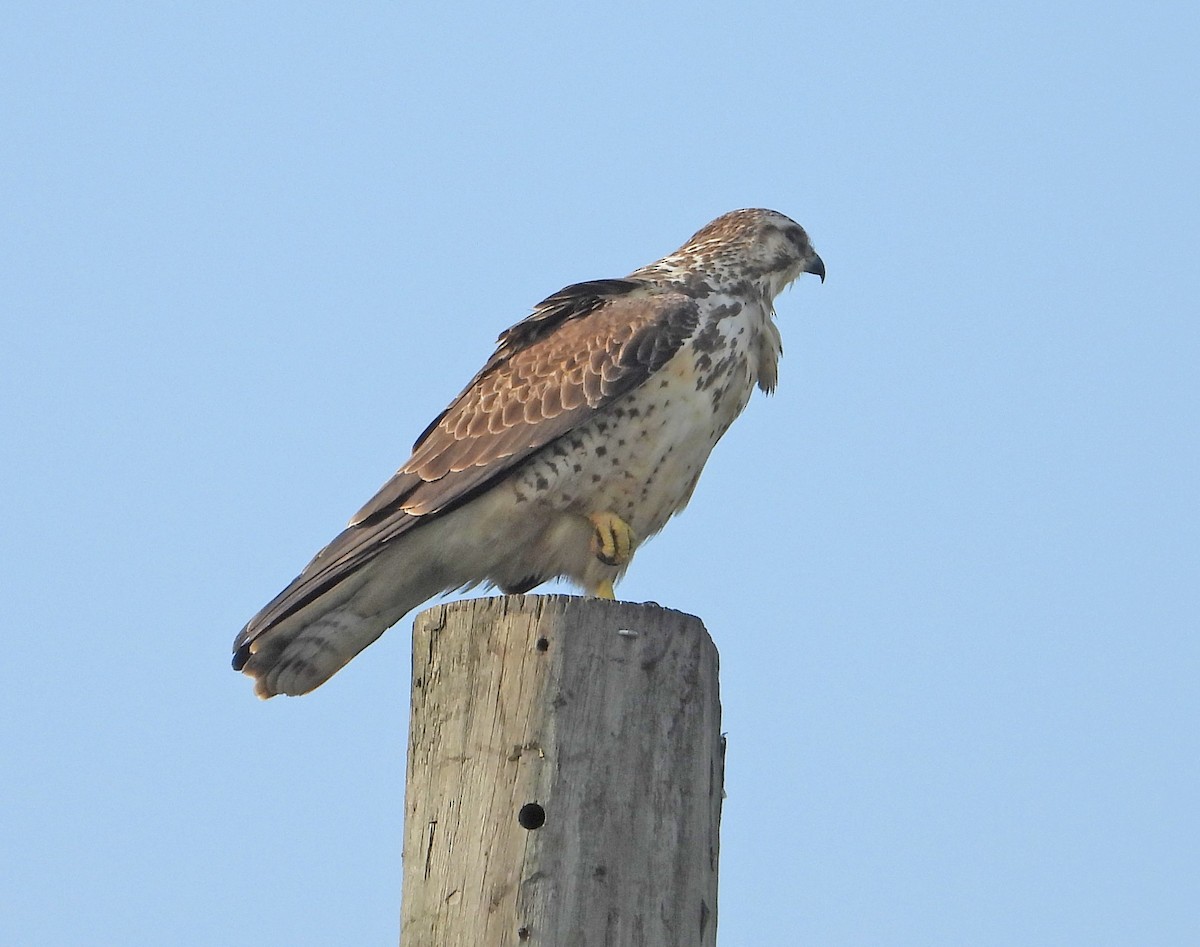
[[319, 622], [298, 656]]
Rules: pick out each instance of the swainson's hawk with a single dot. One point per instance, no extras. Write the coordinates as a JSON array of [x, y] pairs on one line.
[[576, 442]]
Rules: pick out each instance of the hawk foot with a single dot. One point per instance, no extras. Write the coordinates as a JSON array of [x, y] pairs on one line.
[[605, 590], [612, 542]]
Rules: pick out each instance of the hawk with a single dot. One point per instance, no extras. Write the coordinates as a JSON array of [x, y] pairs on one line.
[[579, 438]]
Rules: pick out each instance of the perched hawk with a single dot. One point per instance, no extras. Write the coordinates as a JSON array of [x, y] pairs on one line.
[[577, 441]]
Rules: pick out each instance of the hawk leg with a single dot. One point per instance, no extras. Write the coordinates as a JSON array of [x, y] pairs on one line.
[[605, 590], [612, 543]]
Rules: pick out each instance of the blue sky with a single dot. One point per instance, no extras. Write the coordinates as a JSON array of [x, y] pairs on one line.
[[249, 250]]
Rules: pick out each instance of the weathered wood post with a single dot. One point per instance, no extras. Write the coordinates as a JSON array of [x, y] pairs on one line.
[[565, 771]]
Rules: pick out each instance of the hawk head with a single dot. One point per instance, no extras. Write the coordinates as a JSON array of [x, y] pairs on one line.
[[754, 245]]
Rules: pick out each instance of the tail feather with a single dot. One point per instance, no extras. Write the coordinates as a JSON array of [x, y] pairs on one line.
[[358, 587], [293, 652], [295, 658]]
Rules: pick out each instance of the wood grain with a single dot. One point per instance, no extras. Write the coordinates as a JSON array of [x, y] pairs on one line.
[[596, 724]]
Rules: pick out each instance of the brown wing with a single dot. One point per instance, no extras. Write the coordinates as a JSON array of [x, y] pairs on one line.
[[579, 350]]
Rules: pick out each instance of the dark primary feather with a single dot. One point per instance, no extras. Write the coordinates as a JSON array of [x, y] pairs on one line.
[[351, 549], [579, 350]]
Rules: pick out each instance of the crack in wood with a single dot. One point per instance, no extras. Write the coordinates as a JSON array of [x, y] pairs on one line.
[[429, 848]]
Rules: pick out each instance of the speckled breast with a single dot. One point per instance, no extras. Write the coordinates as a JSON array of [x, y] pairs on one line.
[[642, 456]]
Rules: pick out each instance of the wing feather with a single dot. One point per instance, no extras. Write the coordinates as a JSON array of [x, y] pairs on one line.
[[527, 397]]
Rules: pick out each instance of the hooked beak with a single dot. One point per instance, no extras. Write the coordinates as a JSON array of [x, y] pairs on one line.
[[816, 266]]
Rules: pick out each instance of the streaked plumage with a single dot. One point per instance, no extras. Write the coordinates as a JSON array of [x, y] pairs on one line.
[[592, 419]]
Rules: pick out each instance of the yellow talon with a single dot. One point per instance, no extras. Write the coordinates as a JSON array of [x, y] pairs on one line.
[[613, 541], [605, 590]]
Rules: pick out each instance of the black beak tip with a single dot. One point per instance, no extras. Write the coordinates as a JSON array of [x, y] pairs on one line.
[[816, 266]]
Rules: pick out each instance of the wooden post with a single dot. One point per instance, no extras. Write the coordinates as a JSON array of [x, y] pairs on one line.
[[565, 771]]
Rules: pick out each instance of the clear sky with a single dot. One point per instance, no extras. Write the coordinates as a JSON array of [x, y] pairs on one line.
[[250, 249]]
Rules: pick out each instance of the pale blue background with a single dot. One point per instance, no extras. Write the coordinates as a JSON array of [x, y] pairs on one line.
[[249, 249]]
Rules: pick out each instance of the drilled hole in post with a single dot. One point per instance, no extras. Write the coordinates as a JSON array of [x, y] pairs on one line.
[[531, 816], [542, 644]]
